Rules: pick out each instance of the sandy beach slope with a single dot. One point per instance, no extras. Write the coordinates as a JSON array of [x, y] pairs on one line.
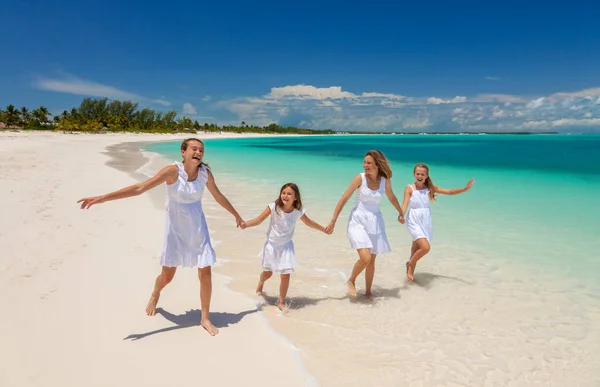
[[74, 283]]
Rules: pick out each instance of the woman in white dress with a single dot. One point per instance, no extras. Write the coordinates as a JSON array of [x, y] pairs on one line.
[[187, 240], [278, 253], [418, 219], [366, 228]]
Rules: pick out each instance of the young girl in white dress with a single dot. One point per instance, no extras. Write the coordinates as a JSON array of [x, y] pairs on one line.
[[187, 240], [278, 251], [366, 228], [418, 219]]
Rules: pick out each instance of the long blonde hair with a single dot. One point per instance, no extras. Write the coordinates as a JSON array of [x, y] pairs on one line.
[[383, 165], [428, 182]]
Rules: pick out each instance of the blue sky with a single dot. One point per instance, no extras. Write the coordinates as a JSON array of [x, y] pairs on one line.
[[381, 66]]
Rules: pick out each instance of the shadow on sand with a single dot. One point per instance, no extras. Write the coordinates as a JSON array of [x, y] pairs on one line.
[[192, 318], [426, 280], [295, 303]]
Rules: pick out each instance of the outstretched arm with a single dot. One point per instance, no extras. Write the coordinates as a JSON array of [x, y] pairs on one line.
[[393, 199], [312, 224], [259, 219], [455, 191], [356, 182], [168, 174], [221, 199]]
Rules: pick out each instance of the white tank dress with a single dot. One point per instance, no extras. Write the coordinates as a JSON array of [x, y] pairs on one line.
[[278, 252], [366, 228], [187, 241], [418, 218]]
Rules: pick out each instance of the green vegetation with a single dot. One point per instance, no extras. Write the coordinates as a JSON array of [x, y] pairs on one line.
[[100, 115]]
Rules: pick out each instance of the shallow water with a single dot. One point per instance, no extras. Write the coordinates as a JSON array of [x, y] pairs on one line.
[[508, 295]]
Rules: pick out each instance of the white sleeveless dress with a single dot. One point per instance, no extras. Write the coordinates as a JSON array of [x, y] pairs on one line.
[[366, 228], [187, 241], [278, 252], [418, 218]]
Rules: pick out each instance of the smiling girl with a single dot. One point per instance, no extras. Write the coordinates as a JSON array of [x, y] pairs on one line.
[[418, 220], [187, 240], [278, 251]]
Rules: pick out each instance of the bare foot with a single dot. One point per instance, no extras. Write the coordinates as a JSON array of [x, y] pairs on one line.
[[370, 296], [151, 307], [259, 287], [211, 329], [410, 271], [281, 306], [351, 288]]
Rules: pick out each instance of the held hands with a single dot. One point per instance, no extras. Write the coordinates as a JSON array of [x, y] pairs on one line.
[[239, 222], [329, 228], [88, 202], [401, 219]]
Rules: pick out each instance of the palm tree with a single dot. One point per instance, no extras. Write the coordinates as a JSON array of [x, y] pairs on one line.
[[25, 116], [40, 116], [11, 116]]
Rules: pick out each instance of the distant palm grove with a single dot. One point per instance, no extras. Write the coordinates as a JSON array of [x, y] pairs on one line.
[[100, 115]]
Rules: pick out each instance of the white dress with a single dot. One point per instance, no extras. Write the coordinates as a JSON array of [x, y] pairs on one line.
[[187, 241], [418, 218], [366, 228], [278, 252]]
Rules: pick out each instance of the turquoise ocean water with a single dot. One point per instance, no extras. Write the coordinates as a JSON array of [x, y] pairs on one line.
[[508, 296], [534, 202]]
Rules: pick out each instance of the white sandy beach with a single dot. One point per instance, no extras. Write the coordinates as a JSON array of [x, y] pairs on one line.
[[74, 283]]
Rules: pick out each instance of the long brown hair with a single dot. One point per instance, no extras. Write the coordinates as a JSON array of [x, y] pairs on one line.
[[184, 146], [383, 165], [428, 182], [297, 203]]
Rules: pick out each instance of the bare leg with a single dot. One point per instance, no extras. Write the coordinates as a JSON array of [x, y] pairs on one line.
[[413, 248], [162, 280], [264, 276], [205, 277], [423, 248], [369, 275], [284, 285], [364, 257]]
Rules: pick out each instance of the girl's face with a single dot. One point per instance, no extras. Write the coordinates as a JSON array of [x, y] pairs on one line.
[[194, 152], [369, 166], [421, 174], [288, 197]]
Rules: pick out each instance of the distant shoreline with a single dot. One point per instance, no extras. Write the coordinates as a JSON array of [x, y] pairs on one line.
[[340, 133]]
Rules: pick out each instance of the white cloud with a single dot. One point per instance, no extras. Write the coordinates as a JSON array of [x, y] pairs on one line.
[[162, 101], [189, 109], [437, 101], [535, 104], [497, 98], [309, 92], [72, 85], [492, 78], [206, 98], [336, 108]]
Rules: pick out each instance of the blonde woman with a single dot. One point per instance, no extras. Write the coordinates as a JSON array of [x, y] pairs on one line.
[[366, 228]]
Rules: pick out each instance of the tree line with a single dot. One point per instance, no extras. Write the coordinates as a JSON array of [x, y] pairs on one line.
[[102, 115]]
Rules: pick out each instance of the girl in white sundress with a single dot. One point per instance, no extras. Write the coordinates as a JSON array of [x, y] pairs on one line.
[[418, 219], [366, 228], [187, 240], [278, 251]]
